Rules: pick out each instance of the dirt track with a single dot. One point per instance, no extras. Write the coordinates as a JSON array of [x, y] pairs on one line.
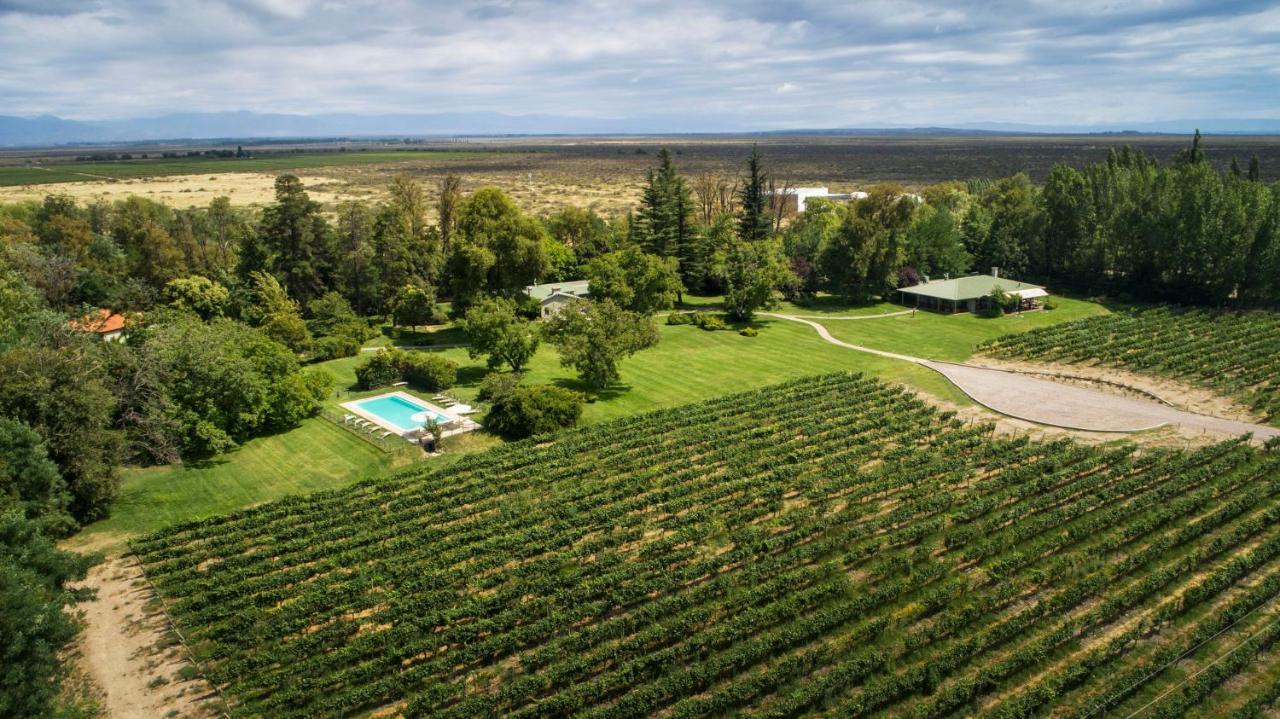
[[126, 651]]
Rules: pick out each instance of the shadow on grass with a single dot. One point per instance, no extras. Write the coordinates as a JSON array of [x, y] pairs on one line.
[[593, 395], [472, 374]]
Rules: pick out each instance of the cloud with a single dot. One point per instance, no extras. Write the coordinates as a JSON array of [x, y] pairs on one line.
[[806, 64]]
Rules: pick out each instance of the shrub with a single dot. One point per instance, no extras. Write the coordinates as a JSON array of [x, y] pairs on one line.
[[679, 318], [534, 409], [709, 322], [749, 332], [496, 384], [334, 347], [428, 371], [1050, 305], [424, 371], [319, 385], [381, 369]]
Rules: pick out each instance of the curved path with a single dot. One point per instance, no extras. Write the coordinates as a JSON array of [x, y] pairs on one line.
[[1060, 405]]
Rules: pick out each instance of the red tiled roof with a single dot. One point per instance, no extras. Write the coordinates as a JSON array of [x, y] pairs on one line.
[[103, 323]]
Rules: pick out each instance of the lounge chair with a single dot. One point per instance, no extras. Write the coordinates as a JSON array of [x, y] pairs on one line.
[[346, 418]]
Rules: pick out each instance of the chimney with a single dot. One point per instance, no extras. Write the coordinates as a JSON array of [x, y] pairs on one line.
[[995, 271]]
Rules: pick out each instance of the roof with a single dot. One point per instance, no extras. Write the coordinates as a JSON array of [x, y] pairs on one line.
[[971, 287], [577, 288], [103, 322]]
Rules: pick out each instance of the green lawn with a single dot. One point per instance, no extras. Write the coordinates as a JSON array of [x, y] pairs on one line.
[[688, 365], [952, 337], [317, 455], [158, 167]]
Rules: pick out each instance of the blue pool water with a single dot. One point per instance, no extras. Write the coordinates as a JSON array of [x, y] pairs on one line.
[[399, 411]]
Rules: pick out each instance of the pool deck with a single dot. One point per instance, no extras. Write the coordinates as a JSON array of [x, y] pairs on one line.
[[464, 424]]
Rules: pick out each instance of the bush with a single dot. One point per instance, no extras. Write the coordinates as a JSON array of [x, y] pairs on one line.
[[381, 369], [679, 318], [429, 371], [334, 347], [749, 332], [319, 385], [535, 409], [496, 384], [709, 322], [1050, 305], [424, 371]]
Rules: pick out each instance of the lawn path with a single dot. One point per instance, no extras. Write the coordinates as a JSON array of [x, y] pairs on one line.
[[1052, 403]]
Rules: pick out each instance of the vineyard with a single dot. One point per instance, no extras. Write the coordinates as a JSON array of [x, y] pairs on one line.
[[1236, 354], [829, 546]]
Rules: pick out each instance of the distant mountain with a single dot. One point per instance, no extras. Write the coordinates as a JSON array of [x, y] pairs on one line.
[[1219, 126], [50, 130]]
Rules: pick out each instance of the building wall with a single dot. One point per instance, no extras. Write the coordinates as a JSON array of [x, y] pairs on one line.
[[552, 305]]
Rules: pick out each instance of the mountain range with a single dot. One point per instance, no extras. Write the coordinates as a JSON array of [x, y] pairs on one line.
[[47, 130]]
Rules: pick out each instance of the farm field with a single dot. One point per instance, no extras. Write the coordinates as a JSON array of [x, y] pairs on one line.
[[1235, 354], [829, 546], [602, 173], [159, 167]]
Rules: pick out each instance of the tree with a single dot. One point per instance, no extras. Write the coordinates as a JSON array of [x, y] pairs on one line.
[[450, 196], [1006, 216], [714, 195], [494, 329], [227, 382], [415, 305], [585, 232], [754, 220], [34, 626], [30, 481], [468, 273], [1068, 224], [332, 315], [934, 245], [524, 411], [753, 272], [634, 280], [197, 294], [592, 337], [489, 219], [60, 393], [358, 270], [271, 309], [298, 242], [664, 225]]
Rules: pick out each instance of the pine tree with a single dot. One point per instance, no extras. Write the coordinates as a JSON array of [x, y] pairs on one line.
[[753, 218], [1255, 170]]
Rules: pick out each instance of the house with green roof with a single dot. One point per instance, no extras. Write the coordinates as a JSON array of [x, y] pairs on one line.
[[553, 296], [971, 293]]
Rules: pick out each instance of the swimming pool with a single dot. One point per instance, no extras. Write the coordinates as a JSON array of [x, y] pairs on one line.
[[398, 411]]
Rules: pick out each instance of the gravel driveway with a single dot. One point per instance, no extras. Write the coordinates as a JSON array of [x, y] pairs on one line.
[[1059, 405]]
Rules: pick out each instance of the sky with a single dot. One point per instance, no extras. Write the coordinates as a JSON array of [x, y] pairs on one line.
[[771, 65]]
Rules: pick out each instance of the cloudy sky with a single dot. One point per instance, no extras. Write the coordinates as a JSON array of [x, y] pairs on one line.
[[768, 64]]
